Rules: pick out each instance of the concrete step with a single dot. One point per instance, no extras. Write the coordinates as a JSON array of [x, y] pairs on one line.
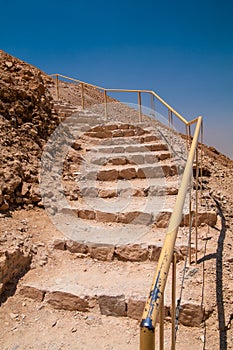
[[113, 288]]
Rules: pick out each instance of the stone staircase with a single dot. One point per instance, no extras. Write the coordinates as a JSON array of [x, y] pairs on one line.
[[121, 181]]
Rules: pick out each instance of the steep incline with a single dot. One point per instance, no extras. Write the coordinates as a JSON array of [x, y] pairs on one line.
[[115, 176]]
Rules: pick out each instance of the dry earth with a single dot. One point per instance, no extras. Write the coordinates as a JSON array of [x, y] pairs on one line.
[[27, 118]]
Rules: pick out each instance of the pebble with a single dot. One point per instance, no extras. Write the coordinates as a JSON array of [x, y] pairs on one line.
[[202, 337], [15, 347], [54, 323], [8, 64]]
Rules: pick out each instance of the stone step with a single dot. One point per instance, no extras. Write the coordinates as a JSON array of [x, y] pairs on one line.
[[129, 140], [113, 288], [131, 148], [63, 104], [115, 131], [80, 127], [130, 158], [149, 251], [144, 241], [128, 172], [135, 211], [82, 119], [122, 188], [66, 108]]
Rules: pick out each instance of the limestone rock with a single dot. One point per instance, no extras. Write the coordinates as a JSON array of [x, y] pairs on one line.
[[131, 253], [135, 307], [59, 244], [104, 253], [32, 293], [76, 247], [107, 175], [128, 173], [67, 301], [107, 193], [112, 305], [191, 315]]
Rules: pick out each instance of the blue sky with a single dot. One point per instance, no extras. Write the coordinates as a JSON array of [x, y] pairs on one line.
[[183, 50]]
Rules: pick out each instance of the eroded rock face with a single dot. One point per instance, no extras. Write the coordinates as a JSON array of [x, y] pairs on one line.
[[26, 121], [13, 263]]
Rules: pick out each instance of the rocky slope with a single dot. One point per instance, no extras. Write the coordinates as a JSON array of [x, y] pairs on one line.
[[26, 122], [27, 119]]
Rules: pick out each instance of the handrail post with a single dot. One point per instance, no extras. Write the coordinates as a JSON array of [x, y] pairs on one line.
[[161, 325], [190, 223], [196, 208], [190, 136], [201, 162], [152, 306], [152, 102], [170, 124], [169, 118], [105, 104], [147, 337], [173, 311], [187, 137], [140, 106], [82, 95], [57, 87]]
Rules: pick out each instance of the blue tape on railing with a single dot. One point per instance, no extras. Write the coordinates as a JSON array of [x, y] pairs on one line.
[[147, 323]]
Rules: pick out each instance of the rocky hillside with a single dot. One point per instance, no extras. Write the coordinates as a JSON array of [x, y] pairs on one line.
[[29, 113], [27, 119], [26, 122]]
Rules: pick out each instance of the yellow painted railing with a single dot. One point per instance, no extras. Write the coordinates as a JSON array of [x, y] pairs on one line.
[[154, 305], [105, 91], [154, 308]]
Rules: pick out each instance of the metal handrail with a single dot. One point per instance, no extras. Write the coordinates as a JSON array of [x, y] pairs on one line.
[[139, 91], [154, 308]]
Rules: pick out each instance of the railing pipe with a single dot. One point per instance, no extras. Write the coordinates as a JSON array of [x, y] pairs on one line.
[[57, 87], [201, 161], [77, 81], [190, 222], [105, 104], [161, 325], [173, 311], [140, 106], [196, 206], [178, 115], [169, 107], [82, 96], [152, 307]]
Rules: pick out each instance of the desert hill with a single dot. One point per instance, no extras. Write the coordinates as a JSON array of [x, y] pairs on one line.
[[29, 113]]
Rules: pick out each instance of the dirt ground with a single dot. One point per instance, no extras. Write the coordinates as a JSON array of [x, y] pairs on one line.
[[30, 324]]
